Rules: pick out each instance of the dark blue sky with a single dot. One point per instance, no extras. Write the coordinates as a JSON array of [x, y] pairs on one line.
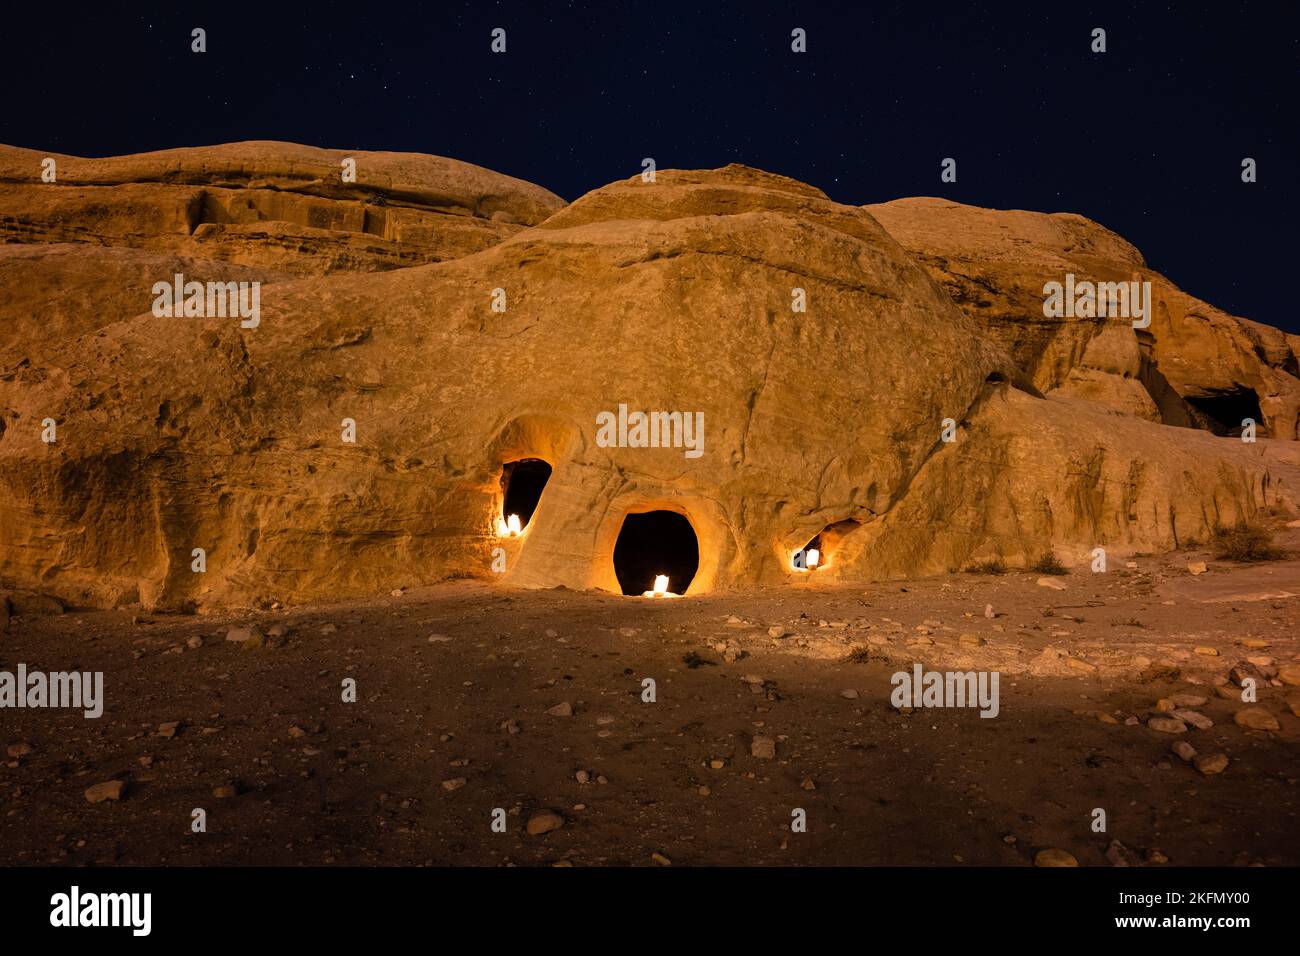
[[1147, 138]]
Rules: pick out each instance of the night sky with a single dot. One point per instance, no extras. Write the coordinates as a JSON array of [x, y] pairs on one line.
[[1147, 138]]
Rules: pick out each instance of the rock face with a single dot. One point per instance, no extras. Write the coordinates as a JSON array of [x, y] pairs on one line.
[[1195, 366], [264, 203], [674, 296], [110, 228]]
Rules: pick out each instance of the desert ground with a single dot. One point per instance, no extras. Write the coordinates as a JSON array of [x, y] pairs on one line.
[[461, 690]]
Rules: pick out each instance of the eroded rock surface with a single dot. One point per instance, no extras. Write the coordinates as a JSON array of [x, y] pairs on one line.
[[675, 296], [1194, 366], [269, 204]]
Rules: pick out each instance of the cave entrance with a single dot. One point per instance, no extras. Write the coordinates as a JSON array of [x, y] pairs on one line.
[[1222, 412], [655, 543], [816, 554], [809, 557], [522, 483]]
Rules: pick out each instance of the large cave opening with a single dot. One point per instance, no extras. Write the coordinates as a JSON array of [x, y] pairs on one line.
[[1222, 411], [522, 483], [656, 543]]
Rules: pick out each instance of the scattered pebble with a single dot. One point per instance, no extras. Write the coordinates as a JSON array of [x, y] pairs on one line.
[[544, 821], [108, 790], [245, 636], [1197, 720], [1255, 718], [1054, 857], [1210, 764], [1167, 725]]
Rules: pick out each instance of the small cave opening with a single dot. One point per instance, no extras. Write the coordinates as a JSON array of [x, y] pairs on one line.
[[816, 554], [1222, 412], [655, 543], [809, 557], [522, 483]]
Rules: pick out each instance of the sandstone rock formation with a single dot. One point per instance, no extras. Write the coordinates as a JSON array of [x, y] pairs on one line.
[[265, 202], [1195, 366], [85, 249], [673, 296]]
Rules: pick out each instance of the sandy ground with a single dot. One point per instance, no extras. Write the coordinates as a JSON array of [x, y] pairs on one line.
[[454, 684]]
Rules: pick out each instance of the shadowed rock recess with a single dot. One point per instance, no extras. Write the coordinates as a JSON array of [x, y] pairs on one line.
[[675, 296]]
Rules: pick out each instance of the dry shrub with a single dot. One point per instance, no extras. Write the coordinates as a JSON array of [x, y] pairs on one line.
[[1245, 541]]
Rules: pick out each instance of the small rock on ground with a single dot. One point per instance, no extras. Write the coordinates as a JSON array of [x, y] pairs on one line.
[[1054, 857], [108, 790], [1255, 718], [544, 821]]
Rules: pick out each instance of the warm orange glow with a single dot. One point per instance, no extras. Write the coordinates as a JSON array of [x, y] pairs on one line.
[[509, 527], [806, 560], [660, 588]]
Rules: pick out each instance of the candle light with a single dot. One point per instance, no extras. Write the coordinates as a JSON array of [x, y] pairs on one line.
[[660, 589], [513, 525]]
